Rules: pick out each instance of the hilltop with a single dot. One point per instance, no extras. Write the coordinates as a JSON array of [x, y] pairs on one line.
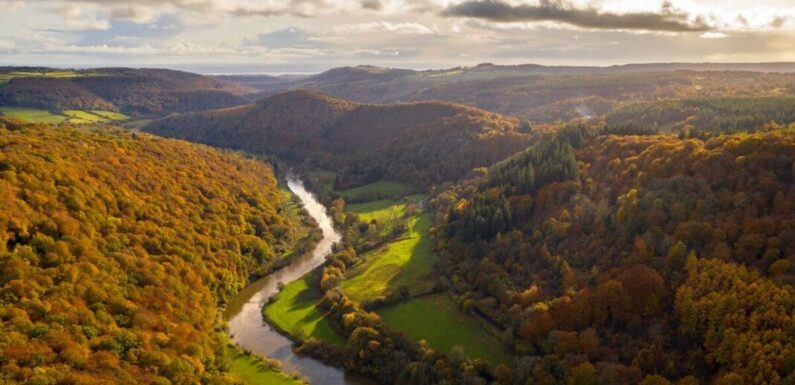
[[547, 94], [135, 92], [417, 143]]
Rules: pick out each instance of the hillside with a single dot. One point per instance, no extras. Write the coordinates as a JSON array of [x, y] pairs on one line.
[[618, 258], [416, 143], [543, 94], [135, 92], [116, 250]]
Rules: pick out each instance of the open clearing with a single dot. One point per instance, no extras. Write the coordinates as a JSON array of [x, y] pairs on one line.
[[6, 76], [294, 311], [383, 211], [436, 319], [407, 262], [36, 115]]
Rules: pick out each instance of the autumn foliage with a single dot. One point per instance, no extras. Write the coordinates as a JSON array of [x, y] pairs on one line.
[[116, 250]]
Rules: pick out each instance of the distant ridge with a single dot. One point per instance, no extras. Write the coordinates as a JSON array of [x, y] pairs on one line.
[[417, 143]]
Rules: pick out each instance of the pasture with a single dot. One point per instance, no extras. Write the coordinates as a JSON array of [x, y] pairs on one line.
[[436, 319], [407, 261], [294, 312]]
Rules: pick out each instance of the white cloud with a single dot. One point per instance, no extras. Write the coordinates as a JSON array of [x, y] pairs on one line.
[[713, 35], [384, 26]]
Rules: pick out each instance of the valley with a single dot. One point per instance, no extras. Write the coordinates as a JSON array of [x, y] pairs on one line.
[[220, 237]]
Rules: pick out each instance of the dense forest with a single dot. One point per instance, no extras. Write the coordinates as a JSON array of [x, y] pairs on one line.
[[615, 259], [705, 115], [116, 250], [135, 92], [417, 143]]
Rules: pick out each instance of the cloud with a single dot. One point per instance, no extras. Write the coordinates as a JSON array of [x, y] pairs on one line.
[[713, 35], [778, 22], [288, 38], [373, 5], [384, 26], [668, 19]]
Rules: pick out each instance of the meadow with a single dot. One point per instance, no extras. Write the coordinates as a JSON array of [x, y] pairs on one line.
[[436, 319], [6, 76], [405, 262], [294, 312], [36, 115]]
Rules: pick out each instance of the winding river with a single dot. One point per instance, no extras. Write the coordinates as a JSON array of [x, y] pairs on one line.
[[244, 312]]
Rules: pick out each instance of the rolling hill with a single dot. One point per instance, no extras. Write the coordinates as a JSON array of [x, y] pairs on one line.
[[544, 94], [649, 258], [116, 249], [135, 92], [417, 143]]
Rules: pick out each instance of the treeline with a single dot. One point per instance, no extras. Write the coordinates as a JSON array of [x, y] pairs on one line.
[[135, 92], [116, 250], [632, 259], [705, 116]]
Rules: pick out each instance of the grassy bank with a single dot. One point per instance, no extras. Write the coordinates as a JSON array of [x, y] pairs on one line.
[[293, 311]]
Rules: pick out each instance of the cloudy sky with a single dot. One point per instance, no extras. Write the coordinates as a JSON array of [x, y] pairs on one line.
[[310, 35]]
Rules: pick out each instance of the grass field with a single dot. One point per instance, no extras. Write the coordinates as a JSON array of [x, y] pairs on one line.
[[6, 76], [436, 319], [250, 370], [35, 115], [407, 261], [294, 311], [383, 211], [378, 189]]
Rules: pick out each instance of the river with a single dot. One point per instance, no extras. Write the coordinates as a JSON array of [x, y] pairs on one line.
[[244, 311]]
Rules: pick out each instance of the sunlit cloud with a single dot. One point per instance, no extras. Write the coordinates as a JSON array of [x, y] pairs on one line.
[[411, 33]]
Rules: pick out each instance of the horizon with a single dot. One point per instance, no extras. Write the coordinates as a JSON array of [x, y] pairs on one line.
[[417, 34], [231, 69]]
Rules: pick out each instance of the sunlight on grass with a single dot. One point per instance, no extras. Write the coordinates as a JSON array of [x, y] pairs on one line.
[[294, 311], [33, 115], [436, 319], [407, 261]]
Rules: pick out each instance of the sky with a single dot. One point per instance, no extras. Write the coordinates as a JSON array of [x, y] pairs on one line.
[[295, 36]]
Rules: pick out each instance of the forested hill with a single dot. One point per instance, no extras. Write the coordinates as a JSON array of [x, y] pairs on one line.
[[418, 143], [614, 259], [135, 92], [549, 94], [116, 249]]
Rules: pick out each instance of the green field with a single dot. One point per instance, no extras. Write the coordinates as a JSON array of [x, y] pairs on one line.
[[407, 261], [6, 76], [294, 311], [374, 190], [250, 370], [32, 115], [436, 319], [383, 211], [35, 115]]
